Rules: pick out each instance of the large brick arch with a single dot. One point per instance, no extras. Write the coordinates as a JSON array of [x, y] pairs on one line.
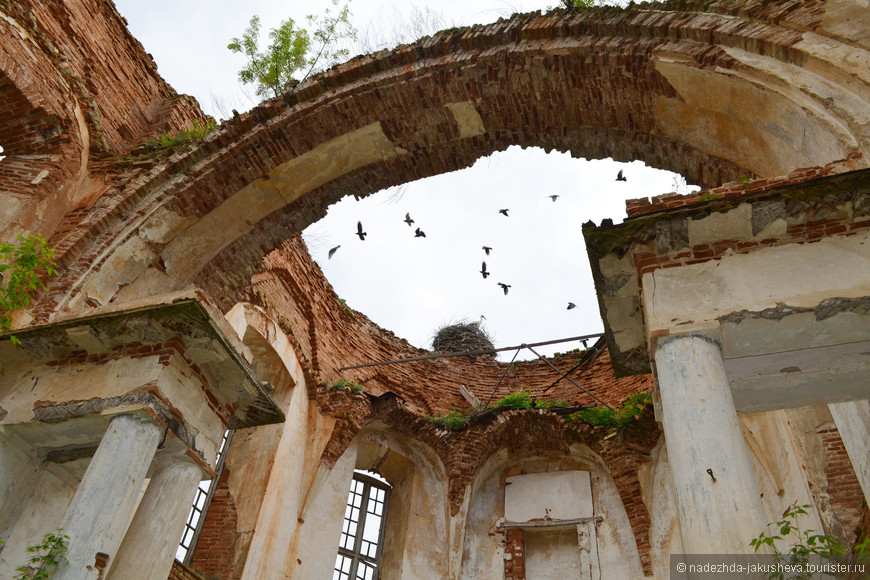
[[754, 88]]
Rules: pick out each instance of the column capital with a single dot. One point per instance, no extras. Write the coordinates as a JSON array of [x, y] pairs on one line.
[[712, 336]]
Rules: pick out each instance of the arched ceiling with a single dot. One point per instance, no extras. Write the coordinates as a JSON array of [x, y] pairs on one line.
[[757, 91]]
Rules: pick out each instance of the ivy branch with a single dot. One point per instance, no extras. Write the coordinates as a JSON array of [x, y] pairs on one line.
[[21, 265]]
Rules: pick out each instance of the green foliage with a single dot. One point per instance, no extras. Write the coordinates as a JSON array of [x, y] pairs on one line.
[[622, 417], [710, 196], [197, 133], [518, 400], [804, 545], [47, 556], [452, 421], [344, 384], [557, 404], [744, 179], [21, 264], [522, 400], [292, 50], [344, 306]]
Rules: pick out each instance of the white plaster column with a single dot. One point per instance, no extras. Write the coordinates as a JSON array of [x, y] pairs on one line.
[[152, 538], [100, 511], [853, 423], [703, 433], [587, 541]]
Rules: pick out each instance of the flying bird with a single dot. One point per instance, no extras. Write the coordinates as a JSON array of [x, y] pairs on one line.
[[332, 251], [419, 233], [483, 271], [504, 287], [408, 219], [553, 197], [571, 305], [359, 231], [620, 176], [504, 212], [487, 249]]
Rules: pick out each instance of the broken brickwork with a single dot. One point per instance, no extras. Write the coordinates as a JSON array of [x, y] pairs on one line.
[[403, 396], [218, 541], [847, 498], [514, 554], [331, 336], [76, 86], [129, 224], [181, 572], [598, 93]]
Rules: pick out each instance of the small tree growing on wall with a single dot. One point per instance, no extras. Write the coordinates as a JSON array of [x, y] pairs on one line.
[[21, 263], [293, 50]]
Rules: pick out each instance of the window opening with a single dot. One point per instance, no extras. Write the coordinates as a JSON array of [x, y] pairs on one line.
[[362, 531], [201, 500]]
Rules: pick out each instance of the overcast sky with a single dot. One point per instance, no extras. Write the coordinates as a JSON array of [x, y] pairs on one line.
[[410, 285]]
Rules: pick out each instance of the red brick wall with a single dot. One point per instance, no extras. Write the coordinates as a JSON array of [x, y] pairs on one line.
[[215, 550], [56, 57], [847, 498], [738, 189], [113, 78], [815, 203], [181, 572], [514, 555], [295, 293]]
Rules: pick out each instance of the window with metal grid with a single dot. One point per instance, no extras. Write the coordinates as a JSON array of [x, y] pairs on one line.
[[362, 531], [200, 503]]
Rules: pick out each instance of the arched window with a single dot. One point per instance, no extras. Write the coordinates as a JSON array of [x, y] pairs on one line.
[[362, 532]]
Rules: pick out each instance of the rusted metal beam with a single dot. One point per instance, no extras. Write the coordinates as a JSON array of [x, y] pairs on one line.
[[569, 379], [470, 352], [548, 523]]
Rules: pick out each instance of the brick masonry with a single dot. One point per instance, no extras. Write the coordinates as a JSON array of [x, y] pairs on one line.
[[329, 336], [813, 203], [595, 91], [847, 498], [218, 540], [73, 77], [583, 82], [514, 555], [181, 572]]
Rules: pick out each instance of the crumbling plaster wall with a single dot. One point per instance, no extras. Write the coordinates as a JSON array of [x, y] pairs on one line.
[[49, 493], [721, 257]]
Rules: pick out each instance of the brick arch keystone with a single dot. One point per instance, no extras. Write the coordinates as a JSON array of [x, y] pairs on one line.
[[746, 88]]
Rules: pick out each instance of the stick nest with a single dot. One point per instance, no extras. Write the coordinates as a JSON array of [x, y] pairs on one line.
[[461, 337]]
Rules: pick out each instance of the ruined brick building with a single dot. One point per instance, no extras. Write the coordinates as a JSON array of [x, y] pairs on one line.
[[186, 304]]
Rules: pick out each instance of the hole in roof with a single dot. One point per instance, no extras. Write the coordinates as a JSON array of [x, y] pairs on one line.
[[2, 155], [413, 286]]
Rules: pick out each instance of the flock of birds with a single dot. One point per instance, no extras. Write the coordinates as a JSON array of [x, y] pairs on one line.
[[419, 233]]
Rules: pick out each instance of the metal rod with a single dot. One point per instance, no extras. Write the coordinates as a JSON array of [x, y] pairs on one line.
[[470, 352], [549, 523], [554, 367], [503, 375], [585, 362]]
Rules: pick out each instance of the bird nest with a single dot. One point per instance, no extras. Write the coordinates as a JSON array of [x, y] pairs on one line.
[[461, 337]]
